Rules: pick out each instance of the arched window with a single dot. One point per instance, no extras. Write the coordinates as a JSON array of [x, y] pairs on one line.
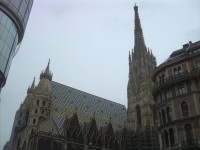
[[37, 103], [163, 116], [166, 138], [138, 115], [171, 135], [184, 109], [188, 133], [34, 120]]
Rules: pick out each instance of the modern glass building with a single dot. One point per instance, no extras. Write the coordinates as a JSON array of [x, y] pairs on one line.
[[14, 15]]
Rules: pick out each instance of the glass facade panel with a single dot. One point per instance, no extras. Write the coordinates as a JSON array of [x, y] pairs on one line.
[[8, 43], [23, 8], [12, 28]]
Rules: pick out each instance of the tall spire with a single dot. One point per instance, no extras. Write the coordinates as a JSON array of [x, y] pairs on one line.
[[33, 84], [47, 71], [45, 80], [139, 40], [32, 88]]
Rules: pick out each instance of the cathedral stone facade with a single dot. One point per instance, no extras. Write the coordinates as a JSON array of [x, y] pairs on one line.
[[141, 114], [54, 116], [57, 117]]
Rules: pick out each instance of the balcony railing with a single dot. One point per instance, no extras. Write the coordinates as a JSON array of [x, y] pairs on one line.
[[171, 80], [175, 79]]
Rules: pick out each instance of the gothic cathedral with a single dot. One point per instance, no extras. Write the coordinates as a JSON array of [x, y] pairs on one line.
[[54, 116]]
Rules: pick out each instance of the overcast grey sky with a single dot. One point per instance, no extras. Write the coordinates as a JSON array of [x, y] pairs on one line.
[[88, 43]]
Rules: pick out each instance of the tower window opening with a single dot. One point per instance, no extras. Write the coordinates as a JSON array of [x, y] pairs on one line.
[[138, 115], [168, 114], [36, 110], [163, 116], [154, 113], [37, 103], [44, 103], [34, 121]]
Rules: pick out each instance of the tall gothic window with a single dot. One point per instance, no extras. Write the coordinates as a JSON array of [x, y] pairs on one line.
[[36, 111], [188, 133], [168, 115], [138, 113], [184, 109], [163, 116], [154, 113], [37, 103]]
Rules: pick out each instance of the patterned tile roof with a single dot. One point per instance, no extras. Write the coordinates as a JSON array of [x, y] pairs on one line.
[[67, 100], [86, 102]]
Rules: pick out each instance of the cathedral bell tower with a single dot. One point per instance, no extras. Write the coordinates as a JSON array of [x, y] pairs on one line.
[[41, 101], [141, 106]]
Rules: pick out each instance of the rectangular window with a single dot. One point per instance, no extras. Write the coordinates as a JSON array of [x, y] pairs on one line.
[[198, 63], [181, 89], [177, 70]]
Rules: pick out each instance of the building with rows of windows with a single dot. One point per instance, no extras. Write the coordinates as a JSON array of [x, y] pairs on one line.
[[177, 95]]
